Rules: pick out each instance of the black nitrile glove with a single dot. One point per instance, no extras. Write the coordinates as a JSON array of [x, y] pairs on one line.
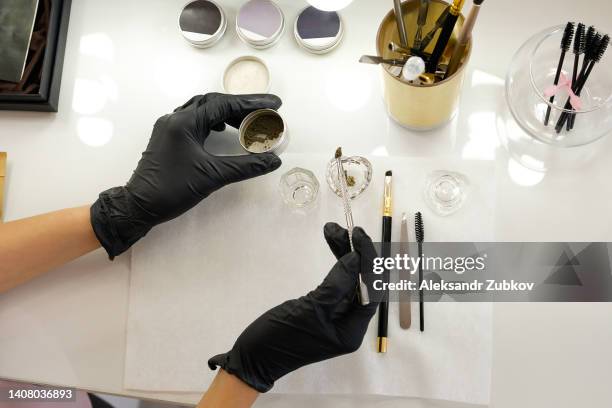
[[175, 172], [327, 322]]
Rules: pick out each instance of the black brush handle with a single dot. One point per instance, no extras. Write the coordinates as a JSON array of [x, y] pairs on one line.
[[557, 76], [570, 122], [421, 302], [577, 90], [445, 35], [383, 307]]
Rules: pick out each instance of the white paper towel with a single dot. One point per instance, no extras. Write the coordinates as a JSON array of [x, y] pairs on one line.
[[198, 281]]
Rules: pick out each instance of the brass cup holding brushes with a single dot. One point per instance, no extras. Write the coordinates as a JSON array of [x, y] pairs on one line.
[[420, 106]]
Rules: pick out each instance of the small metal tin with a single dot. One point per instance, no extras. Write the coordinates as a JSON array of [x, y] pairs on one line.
[[202, 23], [260, 23], [283, 139], [318, 31], [245, 75]]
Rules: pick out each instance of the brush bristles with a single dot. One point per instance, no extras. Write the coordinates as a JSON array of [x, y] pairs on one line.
[[579, 40], [603, 46], [589, 38], [568, 34], [478, 2], [419, 230], [593, 50]]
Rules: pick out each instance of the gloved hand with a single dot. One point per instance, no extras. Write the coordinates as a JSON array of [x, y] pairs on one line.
[[175, 172], [326, 323]]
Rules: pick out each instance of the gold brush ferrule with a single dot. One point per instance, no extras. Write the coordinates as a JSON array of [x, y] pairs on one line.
[[381, 344], [456, 7], [387, 208]]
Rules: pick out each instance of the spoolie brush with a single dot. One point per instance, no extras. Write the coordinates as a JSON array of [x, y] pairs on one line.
[[566, 42], [595, 54], [579, 49], [419, 231]]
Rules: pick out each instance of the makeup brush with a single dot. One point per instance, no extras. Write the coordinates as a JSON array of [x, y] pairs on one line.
[[419, 231], [589, 38], [566, 42], [445, 35], [579, 48], [599, 47], [464, 38], [401, 27], [438, 24], [421, 21]]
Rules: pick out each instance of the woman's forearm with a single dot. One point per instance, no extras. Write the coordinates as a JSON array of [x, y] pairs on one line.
[[228, 391], [32, 246]]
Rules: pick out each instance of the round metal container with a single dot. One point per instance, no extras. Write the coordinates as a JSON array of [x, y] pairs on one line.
[[247, 75], [318, 31], [283, 139], [427, 106], [260, 23], [202, 23]]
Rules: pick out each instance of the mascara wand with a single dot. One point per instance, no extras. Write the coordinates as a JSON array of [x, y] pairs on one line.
[[589, 46], [566, 42], [600, 45], [579, 49], [419, 231]]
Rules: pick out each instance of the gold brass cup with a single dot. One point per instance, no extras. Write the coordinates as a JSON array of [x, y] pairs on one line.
[[427, 106]]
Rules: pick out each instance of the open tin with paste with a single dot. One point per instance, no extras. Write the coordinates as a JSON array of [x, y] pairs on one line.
[[264, 131], [318, 31], [202, 23], [260, 23]]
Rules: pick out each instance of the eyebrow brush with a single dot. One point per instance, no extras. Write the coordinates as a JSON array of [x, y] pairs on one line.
[[566, 42], [420, 237], [600, 45], [445, 35], [579, 49], [362, 291], [464, 38], [387, 220]]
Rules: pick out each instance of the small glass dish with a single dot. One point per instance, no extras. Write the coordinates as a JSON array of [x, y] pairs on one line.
[[445, 192], [358, 172], [299, 188]]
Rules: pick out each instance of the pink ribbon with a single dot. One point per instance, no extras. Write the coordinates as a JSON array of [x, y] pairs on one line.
[[564, 83]]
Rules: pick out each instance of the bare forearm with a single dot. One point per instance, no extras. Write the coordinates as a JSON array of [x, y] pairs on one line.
[[227, 391], [32, 246]]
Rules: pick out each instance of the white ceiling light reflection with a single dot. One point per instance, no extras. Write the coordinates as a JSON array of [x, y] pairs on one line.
[[348, 89], [90, 96], [330, 5], [95, 132], [523, 176], [380, 151], [97, 45]]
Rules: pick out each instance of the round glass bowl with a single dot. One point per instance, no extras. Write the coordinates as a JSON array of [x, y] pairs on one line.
[[445, 192], [358, 172], [299, 188], [533, 70]]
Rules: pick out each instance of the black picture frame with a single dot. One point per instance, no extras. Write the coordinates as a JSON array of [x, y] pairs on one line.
[[47, 98]]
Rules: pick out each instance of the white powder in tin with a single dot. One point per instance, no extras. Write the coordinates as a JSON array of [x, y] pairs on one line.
[[246, 76]]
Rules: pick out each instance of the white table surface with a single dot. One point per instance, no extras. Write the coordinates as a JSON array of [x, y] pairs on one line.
[[126, 64]]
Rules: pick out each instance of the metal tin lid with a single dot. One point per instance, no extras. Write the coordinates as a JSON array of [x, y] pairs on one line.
[[318, 31], [202, 23], [246, 75], [260, 23]]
